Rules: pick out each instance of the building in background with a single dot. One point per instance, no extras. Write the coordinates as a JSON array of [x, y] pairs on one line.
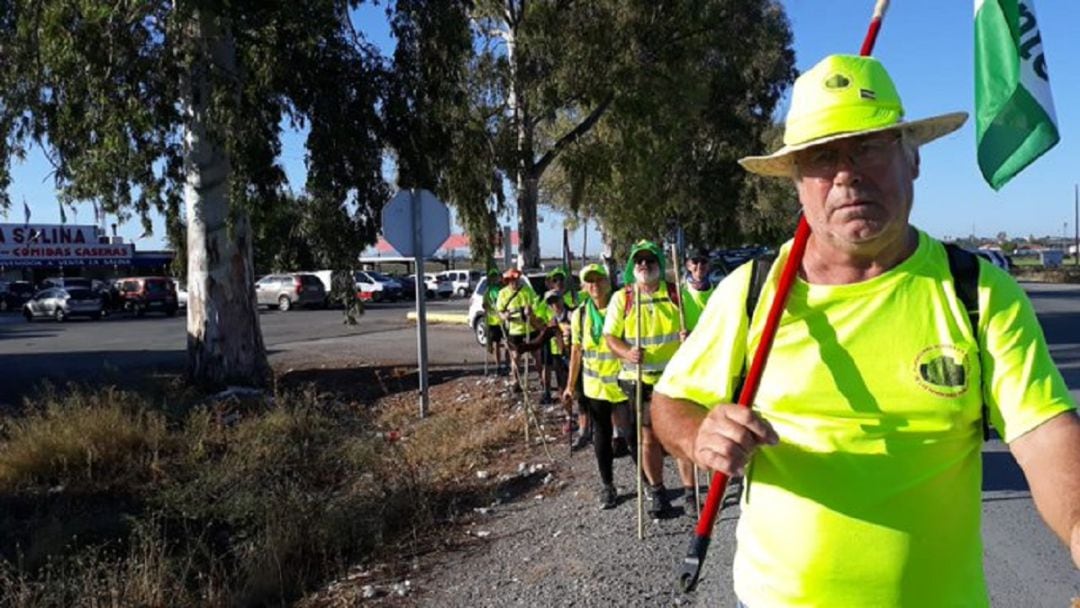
[[33, 252]]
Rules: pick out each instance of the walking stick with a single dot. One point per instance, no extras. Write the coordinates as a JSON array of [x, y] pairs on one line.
[[682, 328], [638, 424], [699, 542], [531, 415]]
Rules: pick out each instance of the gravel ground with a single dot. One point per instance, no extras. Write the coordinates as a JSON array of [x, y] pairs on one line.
[[547, 543], [556, 547]]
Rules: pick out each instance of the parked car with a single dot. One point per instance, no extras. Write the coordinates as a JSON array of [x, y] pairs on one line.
[[378, 286], [477, 318], [436, 287], [408, 286], [143, 294], [80, 282], [181, 293], [14, 294], [61, 303], [463, 282], [288, 290]]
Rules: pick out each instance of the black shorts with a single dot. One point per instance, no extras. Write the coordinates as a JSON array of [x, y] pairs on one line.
[[525, 343], [629, 388], [494, 334]]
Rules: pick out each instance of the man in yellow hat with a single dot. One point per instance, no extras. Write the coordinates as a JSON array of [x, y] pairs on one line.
[[862, 452]]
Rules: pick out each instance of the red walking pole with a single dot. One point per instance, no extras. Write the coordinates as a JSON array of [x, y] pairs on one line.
[[690, 569]]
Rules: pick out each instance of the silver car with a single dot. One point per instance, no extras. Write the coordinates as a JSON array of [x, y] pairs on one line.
[[61, 303], [285, 291]]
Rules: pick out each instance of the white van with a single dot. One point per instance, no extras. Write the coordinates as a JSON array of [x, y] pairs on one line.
[[463, 281]]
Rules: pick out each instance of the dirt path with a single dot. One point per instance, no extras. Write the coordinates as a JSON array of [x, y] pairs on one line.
[[555, 547]]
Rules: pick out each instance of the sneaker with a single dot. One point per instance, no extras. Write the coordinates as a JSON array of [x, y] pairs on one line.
[[583, 440], [658, 502], [545, 398], [690, 504], [619, 447], [609, 497]]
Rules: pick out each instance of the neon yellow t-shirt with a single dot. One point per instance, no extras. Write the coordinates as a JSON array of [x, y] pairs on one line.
[[515, 302], [491, 300], [872, 497], [693, 303]]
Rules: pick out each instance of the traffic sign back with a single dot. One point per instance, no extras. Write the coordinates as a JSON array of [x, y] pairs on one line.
[[398, 224]]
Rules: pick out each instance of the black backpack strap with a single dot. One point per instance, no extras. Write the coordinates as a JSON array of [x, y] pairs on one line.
[[964, 267], [759, 272]]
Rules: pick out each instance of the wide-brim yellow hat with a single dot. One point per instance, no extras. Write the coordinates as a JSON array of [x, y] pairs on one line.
[[845, 96]]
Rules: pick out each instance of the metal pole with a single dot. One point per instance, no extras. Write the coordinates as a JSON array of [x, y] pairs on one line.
[[638, 423], [1076, 225], [584, 241], [421, 294]]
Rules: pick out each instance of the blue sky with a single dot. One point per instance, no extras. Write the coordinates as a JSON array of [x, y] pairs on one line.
[[927, 47]]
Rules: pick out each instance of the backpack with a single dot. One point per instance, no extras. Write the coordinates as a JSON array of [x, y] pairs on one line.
[[963, 265], [672, 294]]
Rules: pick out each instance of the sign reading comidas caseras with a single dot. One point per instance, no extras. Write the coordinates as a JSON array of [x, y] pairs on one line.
[[56, 245]]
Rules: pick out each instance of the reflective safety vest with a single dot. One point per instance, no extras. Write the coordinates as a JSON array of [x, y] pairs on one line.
[[694, 302], [515, 302], [659, 329], [599, 366], [491, 300]]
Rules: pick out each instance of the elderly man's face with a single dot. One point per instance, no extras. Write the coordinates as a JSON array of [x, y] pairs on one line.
[[856, 193]]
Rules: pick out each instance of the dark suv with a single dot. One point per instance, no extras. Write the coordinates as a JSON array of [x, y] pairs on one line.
[[14, 294], [142, 294]]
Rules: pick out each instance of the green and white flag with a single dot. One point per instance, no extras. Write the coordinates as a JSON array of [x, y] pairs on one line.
[[1014, 112]]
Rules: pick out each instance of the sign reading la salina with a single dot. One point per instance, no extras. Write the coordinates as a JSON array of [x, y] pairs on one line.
[[59, 245]]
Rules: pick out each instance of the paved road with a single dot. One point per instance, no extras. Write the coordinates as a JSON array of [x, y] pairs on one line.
[[110, 349]]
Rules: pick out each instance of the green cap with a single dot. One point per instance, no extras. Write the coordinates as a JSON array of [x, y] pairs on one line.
[[592, 269], [558, 271], [643, 245]]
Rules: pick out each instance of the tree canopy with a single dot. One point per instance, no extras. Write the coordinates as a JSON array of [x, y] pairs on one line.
[[150, 104]]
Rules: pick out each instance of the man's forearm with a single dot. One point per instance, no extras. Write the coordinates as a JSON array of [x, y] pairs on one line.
[[1050, 458], [618, 346], [676, 423]]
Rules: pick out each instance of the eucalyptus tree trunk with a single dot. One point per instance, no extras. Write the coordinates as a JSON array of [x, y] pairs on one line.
[[224, 344], [526, 187]]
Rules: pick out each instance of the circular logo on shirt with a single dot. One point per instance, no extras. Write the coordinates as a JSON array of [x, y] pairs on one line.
[[943, 370]]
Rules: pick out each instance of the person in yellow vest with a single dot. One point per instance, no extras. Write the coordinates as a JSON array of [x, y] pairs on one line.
[[862, 453], [515, 306], [556, 325], [697, 288], [555, 283], [495, 339], [592, 360], [660, 338]]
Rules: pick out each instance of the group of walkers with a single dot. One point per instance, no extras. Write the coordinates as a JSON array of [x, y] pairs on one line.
[[892, 358], [594, 347]]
